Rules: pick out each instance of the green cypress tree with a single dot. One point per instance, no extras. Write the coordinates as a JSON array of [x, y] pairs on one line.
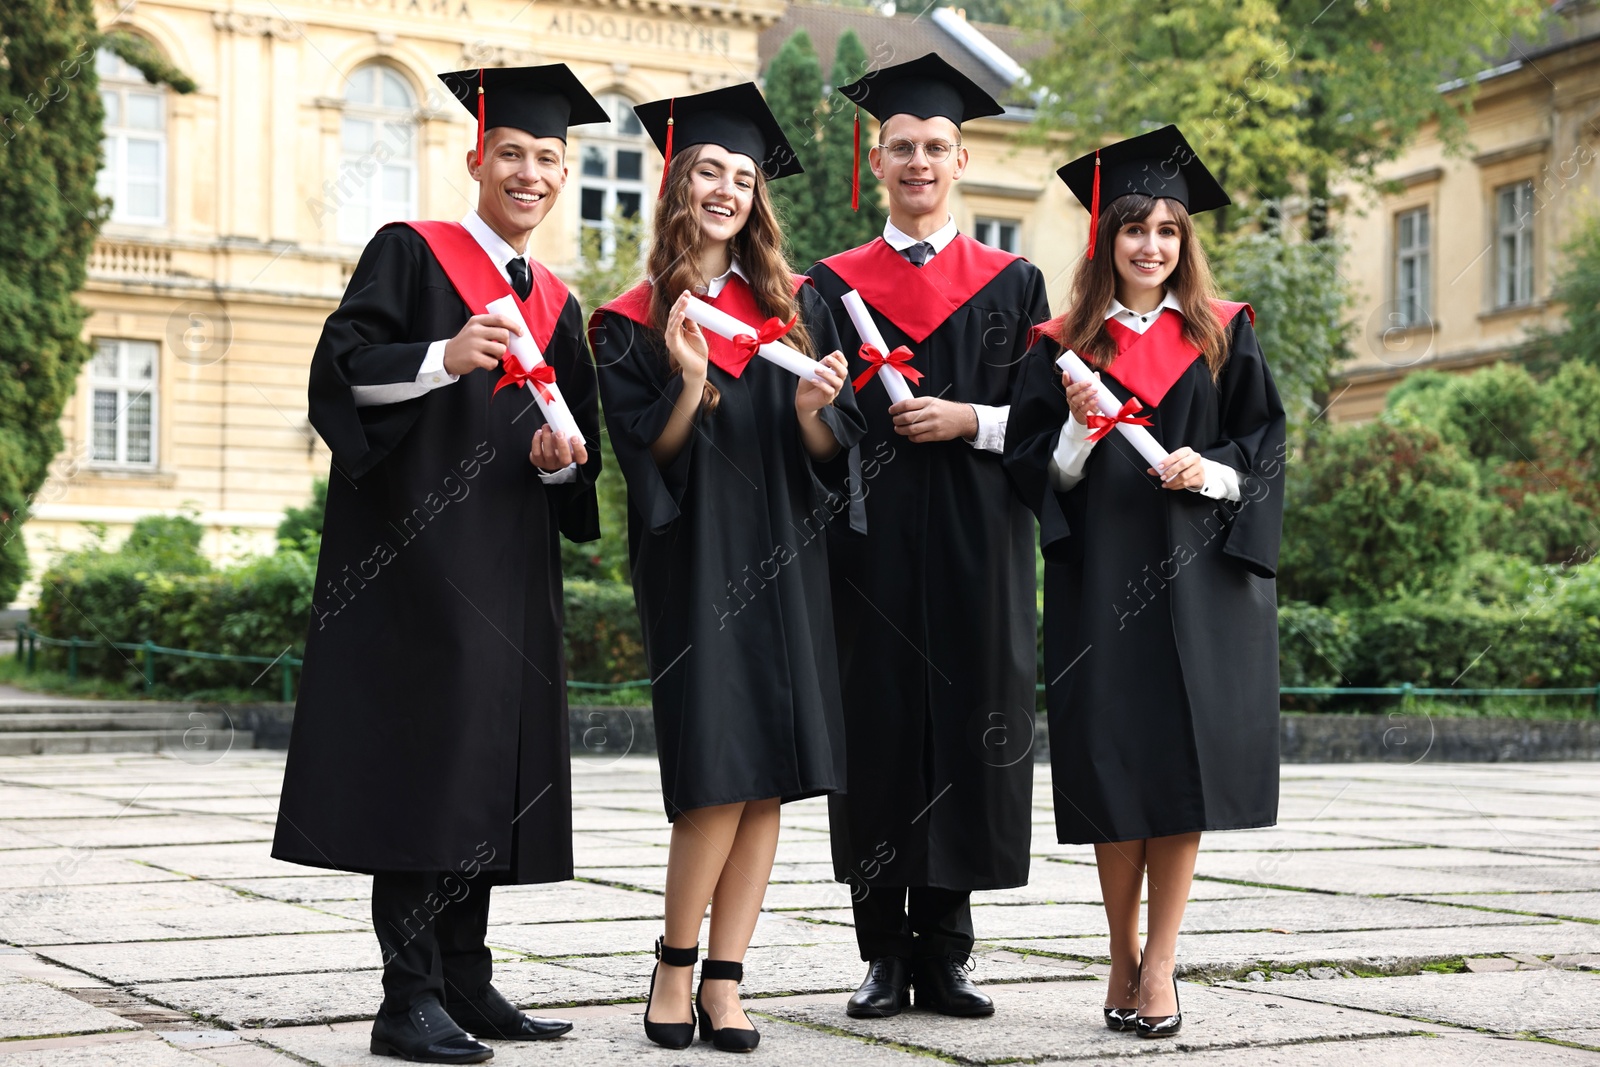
[[847, 228], [794, 92], [51, 123]]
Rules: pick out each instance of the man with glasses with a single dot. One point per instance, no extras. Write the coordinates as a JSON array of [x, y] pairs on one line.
[[934, 607]]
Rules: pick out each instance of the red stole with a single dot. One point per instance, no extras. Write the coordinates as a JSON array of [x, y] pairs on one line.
[[918, 300], [736, 299], [477, 280], [1150, 363]]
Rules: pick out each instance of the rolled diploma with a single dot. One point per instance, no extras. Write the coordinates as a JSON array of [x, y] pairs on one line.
[[723, 324], [1139, 437], [895, 382], [522, 346]]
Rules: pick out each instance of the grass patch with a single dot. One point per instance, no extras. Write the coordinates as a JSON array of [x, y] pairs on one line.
[[13, 672]]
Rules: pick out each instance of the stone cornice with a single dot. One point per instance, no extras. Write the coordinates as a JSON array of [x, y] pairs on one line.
[[755, 13]]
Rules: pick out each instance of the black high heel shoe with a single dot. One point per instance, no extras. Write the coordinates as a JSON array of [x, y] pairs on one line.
[[1162, 1025], [670, 1035], [726, 1038], [1125, 1018]]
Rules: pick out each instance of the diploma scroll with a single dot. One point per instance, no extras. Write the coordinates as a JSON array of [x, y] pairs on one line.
[[527, 353], [1140, 438], [723, 324], [868, 331]]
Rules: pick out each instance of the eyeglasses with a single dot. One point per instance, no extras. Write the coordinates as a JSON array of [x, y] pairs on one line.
[[906, 151]]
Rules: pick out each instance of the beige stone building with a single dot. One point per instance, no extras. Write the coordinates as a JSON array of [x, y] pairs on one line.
[[1453, 269], [240, 209]]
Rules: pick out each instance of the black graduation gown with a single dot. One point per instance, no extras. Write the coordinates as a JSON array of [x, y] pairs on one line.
[[1160, 606], [936, 604], [730, 569], [431, 727]]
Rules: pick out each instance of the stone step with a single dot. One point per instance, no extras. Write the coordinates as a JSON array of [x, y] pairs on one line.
[[99, 719], [198, 743]]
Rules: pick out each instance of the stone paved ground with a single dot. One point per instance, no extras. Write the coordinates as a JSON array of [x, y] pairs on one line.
[[148, 925]]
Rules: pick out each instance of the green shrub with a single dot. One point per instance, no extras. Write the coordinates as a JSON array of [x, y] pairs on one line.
[[301, 526], [1315, 645], [1376, 511], [167, 543], [602, 631]]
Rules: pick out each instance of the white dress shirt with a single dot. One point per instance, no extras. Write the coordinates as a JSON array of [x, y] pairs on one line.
[[431, 374], [1073, 446], [991, 435]]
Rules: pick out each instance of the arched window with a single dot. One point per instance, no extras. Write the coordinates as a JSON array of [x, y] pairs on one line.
[[134, 177], [611, 171], [377, 181]]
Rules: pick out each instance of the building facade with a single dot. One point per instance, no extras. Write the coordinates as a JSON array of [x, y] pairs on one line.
[[1453, 264], [239, 211]]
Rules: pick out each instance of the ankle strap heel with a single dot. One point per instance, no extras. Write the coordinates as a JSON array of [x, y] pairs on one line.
[[728, 1039], [670, 1035]]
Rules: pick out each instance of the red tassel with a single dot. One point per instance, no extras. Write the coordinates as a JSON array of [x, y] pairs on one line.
[[480, 116], [666, 155], [855, 169], [1094, 205]]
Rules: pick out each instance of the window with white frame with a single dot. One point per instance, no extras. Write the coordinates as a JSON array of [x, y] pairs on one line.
[[122, 390], [134, 176], [1513, 206], [1411, 267], [377, 180], [611, 170], [997, 233]]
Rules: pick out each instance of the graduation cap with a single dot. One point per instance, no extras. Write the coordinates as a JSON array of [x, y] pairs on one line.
[[542, 101], [1158, 163], [927, 87], [736, 117]]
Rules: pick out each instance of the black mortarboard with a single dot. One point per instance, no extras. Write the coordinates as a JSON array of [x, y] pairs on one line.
[[542, 101], [736, 117], [927, 88], [1158, 163]]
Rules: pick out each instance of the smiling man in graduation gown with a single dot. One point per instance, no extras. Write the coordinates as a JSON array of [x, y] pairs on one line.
[[430, 737], [935, 606]]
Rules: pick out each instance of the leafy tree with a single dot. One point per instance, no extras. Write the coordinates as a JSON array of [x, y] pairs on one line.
[[1274, 91], [847, 228], [1300, 300], [51, 118], [1375, 512], [1577, 287], [794, 92]]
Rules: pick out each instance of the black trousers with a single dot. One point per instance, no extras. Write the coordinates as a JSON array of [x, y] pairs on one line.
[[431, 928], [914, 924]]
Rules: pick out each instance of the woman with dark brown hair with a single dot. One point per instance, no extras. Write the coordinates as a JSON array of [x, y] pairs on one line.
[[1160, 618], [735, 468]]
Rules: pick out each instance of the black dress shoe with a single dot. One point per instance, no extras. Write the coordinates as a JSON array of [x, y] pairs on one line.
[[670, 1035], [1163, 1025], [886, 990], [942, 985], [425, 1034], [726, 1038], [493, 1016], [1126, 1018]]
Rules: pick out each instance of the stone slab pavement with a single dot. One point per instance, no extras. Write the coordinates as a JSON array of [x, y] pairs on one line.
[[1399, 915]]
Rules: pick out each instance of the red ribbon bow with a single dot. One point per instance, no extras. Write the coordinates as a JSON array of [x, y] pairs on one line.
[[542, 376], [746, 345], [899, 359], [1102, 424]]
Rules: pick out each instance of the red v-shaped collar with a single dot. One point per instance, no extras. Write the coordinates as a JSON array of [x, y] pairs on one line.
[[477, 279], [918, 300]]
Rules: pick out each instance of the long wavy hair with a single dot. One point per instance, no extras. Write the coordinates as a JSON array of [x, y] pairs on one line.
[[1082, 327], [674, 261]]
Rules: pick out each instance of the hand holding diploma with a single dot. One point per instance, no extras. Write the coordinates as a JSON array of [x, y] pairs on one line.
[[892, 368], [525, 364], [1112, 412]]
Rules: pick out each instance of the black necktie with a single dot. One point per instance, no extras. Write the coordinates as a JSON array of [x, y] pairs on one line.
[[919, 253], [521, 279]]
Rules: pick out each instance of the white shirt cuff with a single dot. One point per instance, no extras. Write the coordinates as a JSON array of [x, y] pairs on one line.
[[991, 435], [1222, 481], [1071, 455], [566, 474], [430, 376]]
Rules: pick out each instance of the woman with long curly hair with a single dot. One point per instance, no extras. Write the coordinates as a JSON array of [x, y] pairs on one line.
[[1160, 619], [735, 468]]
